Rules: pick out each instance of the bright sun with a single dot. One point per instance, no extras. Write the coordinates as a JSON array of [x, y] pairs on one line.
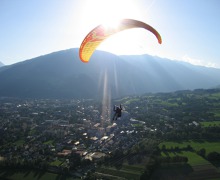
[[109, 12], [100, 11]]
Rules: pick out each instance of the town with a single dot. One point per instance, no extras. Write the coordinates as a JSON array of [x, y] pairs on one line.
[[75, 137], [47, 133]]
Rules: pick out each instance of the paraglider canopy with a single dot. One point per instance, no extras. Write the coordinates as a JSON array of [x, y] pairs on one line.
[[101, 32]]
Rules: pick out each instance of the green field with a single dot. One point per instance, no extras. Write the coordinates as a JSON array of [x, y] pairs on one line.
[[180, 170], [131, 101], [196, 168], [56, 163], [193, 158], [50, 142], [215, 95], [210, 124], [217, 114], [169, 104], [208, 146], [20, 142]]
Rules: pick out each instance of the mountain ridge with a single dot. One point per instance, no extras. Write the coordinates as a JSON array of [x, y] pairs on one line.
[[62, 75], [1, 64]]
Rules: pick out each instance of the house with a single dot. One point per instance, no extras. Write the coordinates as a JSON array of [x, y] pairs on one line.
[[195, 123], [65, 152], [95, 156]]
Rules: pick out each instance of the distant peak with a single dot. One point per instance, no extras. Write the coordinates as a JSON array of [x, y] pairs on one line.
[[1, 64]]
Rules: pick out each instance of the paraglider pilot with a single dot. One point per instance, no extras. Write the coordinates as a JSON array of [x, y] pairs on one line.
[[117, 111]]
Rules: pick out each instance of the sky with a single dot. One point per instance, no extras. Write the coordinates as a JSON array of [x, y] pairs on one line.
[[189, 28]]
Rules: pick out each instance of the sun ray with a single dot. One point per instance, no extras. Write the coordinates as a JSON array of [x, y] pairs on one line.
[[106, 99]]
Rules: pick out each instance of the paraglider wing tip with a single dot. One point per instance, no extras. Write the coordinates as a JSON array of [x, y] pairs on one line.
[[159, 38], [84, 61]]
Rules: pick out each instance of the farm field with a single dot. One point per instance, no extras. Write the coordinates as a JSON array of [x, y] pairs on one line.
[[27, 175], [196, 145], [127, 171], [210, 124], [193, 158], [196, 168]]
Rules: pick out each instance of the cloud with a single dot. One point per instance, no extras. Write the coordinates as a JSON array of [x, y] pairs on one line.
[[199, 62]]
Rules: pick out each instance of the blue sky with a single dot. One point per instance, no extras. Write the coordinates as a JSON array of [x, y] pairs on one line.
[[189, 28]]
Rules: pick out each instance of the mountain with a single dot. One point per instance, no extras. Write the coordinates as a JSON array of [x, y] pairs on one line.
[[1, 64], [62, 75]]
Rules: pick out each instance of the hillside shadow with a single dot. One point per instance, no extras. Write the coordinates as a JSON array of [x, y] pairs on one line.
[[6, 174], [40, 174], [172, 171], [27, 173]]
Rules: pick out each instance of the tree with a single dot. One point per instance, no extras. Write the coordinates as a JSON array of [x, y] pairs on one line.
[[202, 152], [163, 147], [75, 160], [213, 157]]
